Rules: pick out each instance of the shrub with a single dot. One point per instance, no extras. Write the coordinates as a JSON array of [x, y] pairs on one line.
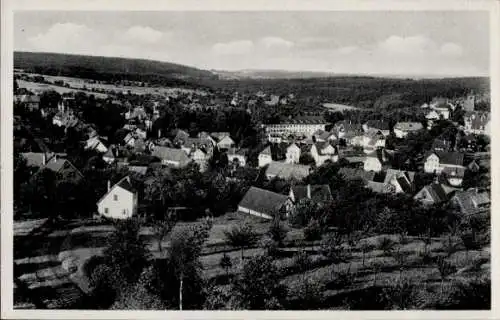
[[386, 244], [313, 231]]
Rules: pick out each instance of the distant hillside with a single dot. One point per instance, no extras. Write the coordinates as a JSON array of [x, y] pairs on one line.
[[111, 69], [271, 74]]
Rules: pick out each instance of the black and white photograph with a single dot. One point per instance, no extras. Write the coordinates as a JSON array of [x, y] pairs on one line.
[[240, 160]]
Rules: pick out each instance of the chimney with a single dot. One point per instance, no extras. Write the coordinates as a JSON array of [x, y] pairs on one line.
[[109, 185], [436, 180], [309, 191]]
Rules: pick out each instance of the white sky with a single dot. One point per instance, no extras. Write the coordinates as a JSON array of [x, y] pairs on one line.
[[450, 43]]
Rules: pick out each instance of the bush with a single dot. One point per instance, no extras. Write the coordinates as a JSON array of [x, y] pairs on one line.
[[313, 231], [386, 244], [91, 264]]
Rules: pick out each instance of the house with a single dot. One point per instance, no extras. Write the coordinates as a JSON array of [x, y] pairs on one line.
[[140, 133], [191, 144], [352, 174], [434, 193], [265, 157], [477, 122], [432, 116], [380, 187], [453, 175], [441, 106], [323, 136], [129, 140], [263, 203], [110, 155], [120, 202], [237, 156], [469, 103], [273, 100], [402, 181], [225, 143], [318, 193], [378, 125], [441, 144], [180, 137], [31, 102], [96, 143], [200, 157], [346, 130], [172, 157], [402, 129], [322, 152], [375, 160], [436, 161], [64, 168], [36, 159], [471, 201], [298, 127], [140, 170], [293, 153], [371, 140], [287, 170], [473, 166]]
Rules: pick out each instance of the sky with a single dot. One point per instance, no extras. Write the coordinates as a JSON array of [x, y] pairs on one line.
[[432, 43]]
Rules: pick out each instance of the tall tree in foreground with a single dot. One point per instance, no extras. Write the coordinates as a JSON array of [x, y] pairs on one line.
[[184, 253], [258, 287], [126, 252], [241, 237]]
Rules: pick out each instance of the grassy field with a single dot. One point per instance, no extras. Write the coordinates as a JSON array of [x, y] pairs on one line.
[[40, 87], [78, 84], [77, 241]]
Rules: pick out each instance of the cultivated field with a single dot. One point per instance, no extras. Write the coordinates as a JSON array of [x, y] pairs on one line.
[[54, 259], [77, 83]]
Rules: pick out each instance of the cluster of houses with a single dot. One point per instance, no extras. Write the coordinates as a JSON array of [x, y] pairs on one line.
[[362, 146]]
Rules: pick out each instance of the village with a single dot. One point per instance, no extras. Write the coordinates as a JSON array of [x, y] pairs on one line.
[[242, 160]]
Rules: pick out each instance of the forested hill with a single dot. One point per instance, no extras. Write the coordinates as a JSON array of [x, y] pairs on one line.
[[111, 69]]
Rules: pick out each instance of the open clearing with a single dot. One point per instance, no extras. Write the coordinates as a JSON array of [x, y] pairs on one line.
[[339, 107]]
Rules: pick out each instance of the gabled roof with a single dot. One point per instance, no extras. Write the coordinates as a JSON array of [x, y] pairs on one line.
[[322, 145], [453, 172], [125, 184], [380, 187], [219, 135], [349, 128], [452, 158], [377, 124], [408, 126], [471, 201], [437, 192], [171, 154], [394, 173], [35, 159], [287, 170], [356, 173], [266, 151], [262, 201], [138, 169], [122, 183], [319, 192], [241, 151]]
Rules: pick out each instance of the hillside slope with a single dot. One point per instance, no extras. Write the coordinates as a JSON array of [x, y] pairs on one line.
[[110, 69]]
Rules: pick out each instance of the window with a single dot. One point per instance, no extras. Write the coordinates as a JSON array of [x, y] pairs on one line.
[[115, 197], [124, 212], [106, 210]]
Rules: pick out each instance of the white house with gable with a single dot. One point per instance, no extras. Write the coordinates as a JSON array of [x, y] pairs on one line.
[[120, 202]]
